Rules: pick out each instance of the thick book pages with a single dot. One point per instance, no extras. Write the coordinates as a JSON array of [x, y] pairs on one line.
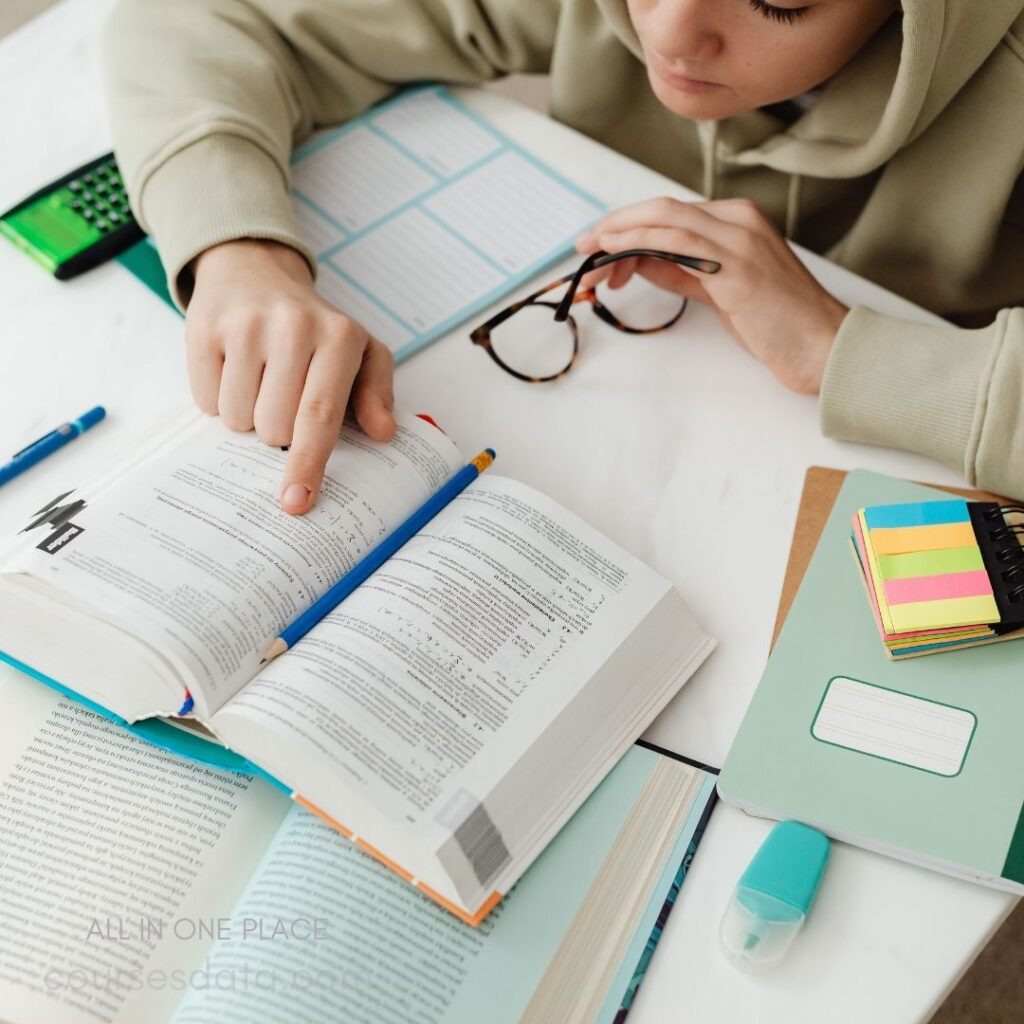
[[448, 717], [139, 886], [919, 759]]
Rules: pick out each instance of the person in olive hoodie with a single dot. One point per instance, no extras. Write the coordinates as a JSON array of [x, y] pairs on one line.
[[889, 138]]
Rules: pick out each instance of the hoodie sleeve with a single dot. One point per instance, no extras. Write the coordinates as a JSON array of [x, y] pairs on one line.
[[954, 394], [208, 97]]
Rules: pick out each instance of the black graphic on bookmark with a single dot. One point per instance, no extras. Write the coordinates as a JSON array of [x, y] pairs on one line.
[[58, 518]]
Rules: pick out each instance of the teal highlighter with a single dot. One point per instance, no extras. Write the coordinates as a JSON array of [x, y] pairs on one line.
[[774, 896]]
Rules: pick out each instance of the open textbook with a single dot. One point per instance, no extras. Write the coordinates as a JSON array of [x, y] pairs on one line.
[[449, 716], [139, 886]]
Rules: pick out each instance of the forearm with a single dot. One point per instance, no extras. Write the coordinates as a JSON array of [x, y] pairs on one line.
[[208, 97], [955, 395]]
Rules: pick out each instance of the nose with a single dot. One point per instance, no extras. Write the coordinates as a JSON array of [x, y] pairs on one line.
[[686, 29]]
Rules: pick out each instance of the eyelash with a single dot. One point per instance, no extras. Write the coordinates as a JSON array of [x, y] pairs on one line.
[[781, 14]]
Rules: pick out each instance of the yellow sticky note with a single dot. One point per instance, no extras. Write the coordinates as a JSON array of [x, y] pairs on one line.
[[959, 611]]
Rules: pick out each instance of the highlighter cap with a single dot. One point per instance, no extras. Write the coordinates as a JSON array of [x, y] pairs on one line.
[[774, 896]]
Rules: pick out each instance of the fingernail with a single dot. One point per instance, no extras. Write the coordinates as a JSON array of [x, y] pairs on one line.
[[295, 495]]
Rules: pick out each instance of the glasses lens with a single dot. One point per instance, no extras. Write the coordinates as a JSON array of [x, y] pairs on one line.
[[533, 343], [640, 305]]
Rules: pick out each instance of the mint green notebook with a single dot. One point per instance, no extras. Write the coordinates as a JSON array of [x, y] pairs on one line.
[[921, 759]]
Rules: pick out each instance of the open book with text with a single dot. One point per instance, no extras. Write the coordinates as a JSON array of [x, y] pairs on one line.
[[448, 717], [139, 886]]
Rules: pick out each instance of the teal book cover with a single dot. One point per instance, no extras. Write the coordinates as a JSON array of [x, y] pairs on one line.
[[922, 759]]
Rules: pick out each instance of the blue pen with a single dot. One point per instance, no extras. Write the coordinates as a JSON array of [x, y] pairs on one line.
[[49, 443], [378, 556]]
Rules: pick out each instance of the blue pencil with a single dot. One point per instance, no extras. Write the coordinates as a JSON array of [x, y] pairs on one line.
[[378, 556]]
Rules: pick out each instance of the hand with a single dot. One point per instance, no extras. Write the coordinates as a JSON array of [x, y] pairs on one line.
[[265, 350], [766, 298]]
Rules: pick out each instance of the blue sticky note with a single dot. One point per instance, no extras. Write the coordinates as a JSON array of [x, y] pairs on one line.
[[916, 513]]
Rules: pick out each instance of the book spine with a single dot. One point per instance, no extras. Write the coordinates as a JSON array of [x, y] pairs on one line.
[[666, 907]]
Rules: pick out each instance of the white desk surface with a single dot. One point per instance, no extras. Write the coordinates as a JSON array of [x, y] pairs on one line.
[[679, 446]]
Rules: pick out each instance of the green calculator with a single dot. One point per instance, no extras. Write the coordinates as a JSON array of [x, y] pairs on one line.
[[75, 223]]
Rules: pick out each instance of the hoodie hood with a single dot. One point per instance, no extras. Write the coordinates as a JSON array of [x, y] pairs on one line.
[[891, 91]]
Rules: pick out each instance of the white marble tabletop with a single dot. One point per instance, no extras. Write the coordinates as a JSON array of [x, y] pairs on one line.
[[679, 446]]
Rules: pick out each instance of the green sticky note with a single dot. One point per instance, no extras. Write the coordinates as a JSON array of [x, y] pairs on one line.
[[930, 563]]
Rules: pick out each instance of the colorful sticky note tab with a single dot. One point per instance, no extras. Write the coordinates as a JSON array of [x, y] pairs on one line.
[[926, 576], [921, 538], [927, 563], [917, 513], [938, 587], [962, 611]]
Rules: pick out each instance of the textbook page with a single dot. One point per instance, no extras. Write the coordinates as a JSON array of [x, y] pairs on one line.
[[389, 955], [431, 681], [192, 554], [117, 863]]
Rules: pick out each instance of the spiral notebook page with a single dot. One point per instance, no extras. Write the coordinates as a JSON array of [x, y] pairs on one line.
[[421, 214]]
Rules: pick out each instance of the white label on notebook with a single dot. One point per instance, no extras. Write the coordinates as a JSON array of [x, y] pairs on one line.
[[896, 726]]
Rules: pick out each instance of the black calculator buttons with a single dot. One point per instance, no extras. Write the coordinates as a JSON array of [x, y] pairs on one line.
[[99, 197]]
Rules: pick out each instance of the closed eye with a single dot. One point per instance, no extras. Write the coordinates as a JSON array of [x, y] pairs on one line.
[[781, 14]]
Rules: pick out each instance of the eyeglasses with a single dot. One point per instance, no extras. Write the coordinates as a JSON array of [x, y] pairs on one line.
[[541, 345]]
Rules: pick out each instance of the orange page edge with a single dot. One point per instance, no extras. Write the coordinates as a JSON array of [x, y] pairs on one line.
[[472, 919]]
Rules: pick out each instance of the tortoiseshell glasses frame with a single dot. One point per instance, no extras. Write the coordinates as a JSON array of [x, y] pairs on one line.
[[482, 334]]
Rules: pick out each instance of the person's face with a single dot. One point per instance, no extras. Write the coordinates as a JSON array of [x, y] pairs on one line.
[[715, 58]]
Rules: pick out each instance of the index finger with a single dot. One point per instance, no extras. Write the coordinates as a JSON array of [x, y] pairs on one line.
[[646, 213], [318, 423]]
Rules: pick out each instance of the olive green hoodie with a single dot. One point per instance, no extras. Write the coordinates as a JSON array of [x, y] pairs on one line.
[[907, 169]]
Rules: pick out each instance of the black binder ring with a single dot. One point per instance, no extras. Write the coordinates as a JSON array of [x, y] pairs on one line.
[[1006, 532], [1008, 554], [1003, 510], [1015, 570]]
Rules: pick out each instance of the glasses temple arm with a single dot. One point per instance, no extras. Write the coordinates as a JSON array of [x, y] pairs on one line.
[[481, 332], [592, 261], [600, 259]]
